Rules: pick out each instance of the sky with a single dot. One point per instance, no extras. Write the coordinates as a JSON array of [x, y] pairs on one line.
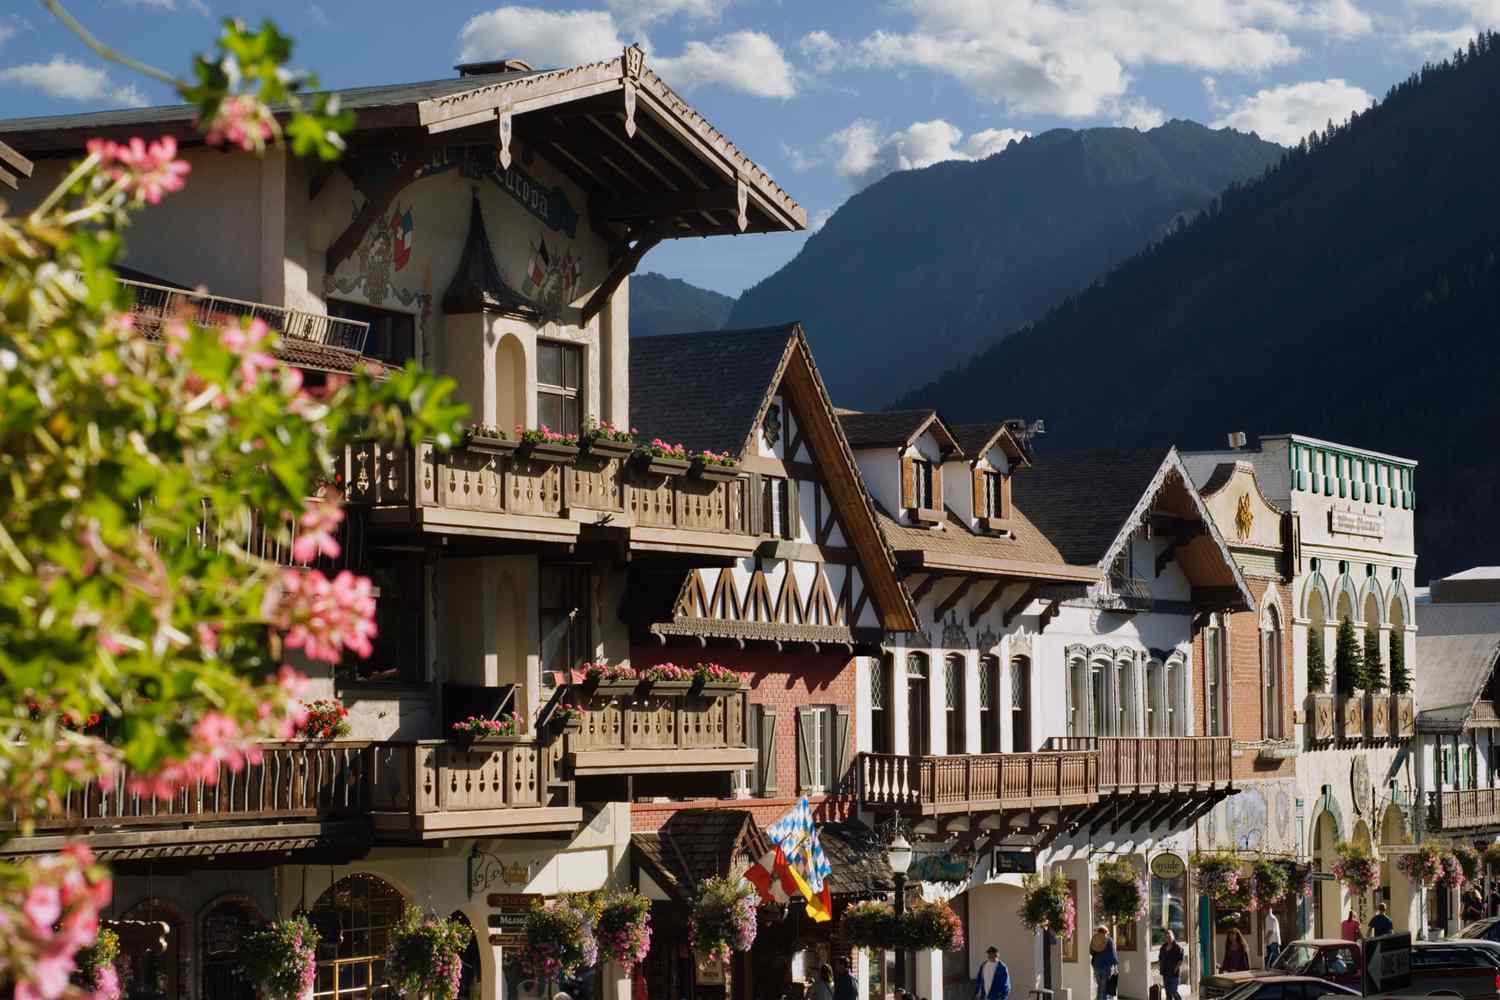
[[827, 95]]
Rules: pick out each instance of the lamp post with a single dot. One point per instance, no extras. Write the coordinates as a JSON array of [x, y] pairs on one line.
[[899, 855]]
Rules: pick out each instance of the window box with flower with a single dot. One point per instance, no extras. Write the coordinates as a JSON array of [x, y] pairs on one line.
[[607, 679], [542, 444], [603, 439], [479, 730], [658, 458], [714, 466], [668, 679], [488, 437], [715, 679]]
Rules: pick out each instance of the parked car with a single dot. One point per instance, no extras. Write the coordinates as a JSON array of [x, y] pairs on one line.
[[1458, 968], [1487, 929], [1283, 987]]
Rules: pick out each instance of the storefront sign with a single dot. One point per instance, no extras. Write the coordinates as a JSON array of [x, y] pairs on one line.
[[1348, 522], [1322, 876], [508, 911], [1168, 866], [1013, 863]]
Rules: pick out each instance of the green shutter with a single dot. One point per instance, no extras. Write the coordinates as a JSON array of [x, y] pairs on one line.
[[766, 740], [793, 511], [806, 747], [842, 730]]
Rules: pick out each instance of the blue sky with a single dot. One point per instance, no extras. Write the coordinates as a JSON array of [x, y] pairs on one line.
[[828, 96]]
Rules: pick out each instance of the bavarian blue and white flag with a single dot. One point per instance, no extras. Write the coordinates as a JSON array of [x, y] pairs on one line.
[[796, 836]]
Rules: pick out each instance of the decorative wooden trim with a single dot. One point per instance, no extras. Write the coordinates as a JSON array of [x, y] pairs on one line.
[[925, 586], [948, 603], [758, 631], [908, 482], [988, 601], [947, 562], [1046, 617], [1021, 604], [376, 204], [620, 270]]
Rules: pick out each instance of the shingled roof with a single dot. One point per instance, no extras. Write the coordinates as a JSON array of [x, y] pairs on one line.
[[705, 390], [1458, 648], [695, 844], [894, 428], [976, 439], [1080, 500]]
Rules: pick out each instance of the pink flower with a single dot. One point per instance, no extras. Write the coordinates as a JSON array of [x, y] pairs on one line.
[[42, 907], [146, 172], [320, 519], [208, 638], [240, 121], [323, 617]]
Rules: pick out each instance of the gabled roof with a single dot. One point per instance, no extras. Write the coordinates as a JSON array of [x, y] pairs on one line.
[[1025, 552], [696, 844], [897, 429], [1458, 648], [712, 390], [976, 439], [1090, 503]]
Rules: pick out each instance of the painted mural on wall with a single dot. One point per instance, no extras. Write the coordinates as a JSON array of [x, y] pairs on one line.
[[551, 277], [1259, 818]]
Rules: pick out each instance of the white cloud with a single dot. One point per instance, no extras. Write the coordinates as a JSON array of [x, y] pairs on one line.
[[1437, 44], [317, 15], [864, 155], [800, 161], [1288, 113], [541, 37], [646, 11], [821, 49], [1074, 58], [820, 219], [1138, 113], [747, 61], [65, 79]]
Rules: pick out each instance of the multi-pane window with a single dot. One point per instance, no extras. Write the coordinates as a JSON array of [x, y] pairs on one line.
[[1271, 676], [776, 506], [1215, 688], [1020, 702], [398, 657], [881, 739], [953, 706], [822, 747], [1174, 725], [565, 608], [1154, 692], [351, 963], [1098, 697], [994, 496], [989, 696], [1124, 697], [392, 337], [921, 484], [559, 403], [1075, 697], [918, 734]]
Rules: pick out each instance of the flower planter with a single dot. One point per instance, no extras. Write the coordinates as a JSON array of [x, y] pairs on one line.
[[668, 688], [1403, 716], [606, 449], [715, 689], [546, 451], [467, 741], [1378, 716], [651, 465], [713, 473], [1320, 716], [493, 445], [1351, 716]]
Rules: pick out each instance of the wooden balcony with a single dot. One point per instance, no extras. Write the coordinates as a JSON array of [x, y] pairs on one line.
[[1143, 765], [1469, 809], [667, 729], [345, 794], [501, 490], [965, 783]]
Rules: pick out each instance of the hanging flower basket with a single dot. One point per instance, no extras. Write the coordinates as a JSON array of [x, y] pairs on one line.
[[1217, 875], [1492, 856], [870, 924], [723, 918], [1452, 875], [1299, 878], [281, 959], [1122, 892], [931, 927], [559, 940], [426, 955], [1230, 909], [622, 926], [1424, 866], [1270, 882], [1357, 868], [327, 719], [1047, 905], [97, 974], [1468, 860]]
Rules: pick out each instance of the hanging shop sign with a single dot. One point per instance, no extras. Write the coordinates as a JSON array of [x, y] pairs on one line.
[[1168, 866]]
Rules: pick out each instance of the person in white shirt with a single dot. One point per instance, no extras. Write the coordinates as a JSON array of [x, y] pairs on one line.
[[1273, 939], [993, 980]]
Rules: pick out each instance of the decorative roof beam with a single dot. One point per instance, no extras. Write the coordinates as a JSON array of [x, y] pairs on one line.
[[668, 204], [923, 588], [1020, 605], [621, 270], [1047, 616], [948, 603], [375, 208], [1184, 533], [13, 160]]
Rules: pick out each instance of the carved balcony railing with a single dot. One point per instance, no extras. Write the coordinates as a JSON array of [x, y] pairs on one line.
[[1465, 809], [1133, 764], [436, 487], [303, 794], [661, 727], [155, 304], [968, 782]]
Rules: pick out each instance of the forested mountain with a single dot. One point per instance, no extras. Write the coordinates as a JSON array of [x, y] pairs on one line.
[[1352, 294], [659, 304], [924, 268]]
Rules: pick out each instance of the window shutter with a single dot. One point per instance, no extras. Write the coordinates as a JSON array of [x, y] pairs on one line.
[[793, 511], [766, 737], [979, 508], [842, 731], [755, 502], [1003, 499], [937, 485], [806, 738], [908, 487]]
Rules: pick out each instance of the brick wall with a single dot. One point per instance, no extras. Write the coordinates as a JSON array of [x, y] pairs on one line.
[[782, 682], [1245, 711]]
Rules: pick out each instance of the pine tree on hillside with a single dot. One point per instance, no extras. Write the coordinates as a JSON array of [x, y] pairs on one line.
[[1374, 669], [1317, 661], [1400, 678], [1348, 661]]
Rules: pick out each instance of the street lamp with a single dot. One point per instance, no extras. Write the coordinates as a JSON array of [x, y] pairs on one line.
[[899, 855]]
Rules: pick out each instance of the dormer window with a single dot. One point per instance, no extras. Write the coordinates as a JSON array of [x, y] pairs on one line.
[[921, 482], [994, 497], [991, 500]]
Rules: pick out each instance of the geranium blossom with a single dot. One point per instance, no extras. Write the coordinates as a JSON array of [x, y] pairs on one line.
[[319, 520], [145, 172], [324, 617], [62, 906], [241, 121]]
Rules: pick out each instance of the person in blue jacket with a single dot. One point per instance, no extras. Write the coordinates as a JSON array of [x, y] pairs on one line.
[[993, 980], [1103, 959]]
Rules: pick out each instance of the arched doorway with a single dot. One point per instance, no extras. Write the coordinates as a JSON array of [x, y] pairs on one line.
[[1396, 889], [471, 981], [355, 916], [1327, 895], [1363, 903], [223, 927], [152, 948]]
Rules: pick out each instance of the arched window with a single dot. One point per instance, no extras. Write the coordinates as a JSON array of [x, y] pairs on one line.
[[224, 927], [882, 736], [1099, 680], [1175, 724], [1215, 677], [1155, 716], [953, 702], [1077, 696], [1273, 678], [1020, 705], [918, 715], [355, 916], [1124, 695], [989, 704]]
